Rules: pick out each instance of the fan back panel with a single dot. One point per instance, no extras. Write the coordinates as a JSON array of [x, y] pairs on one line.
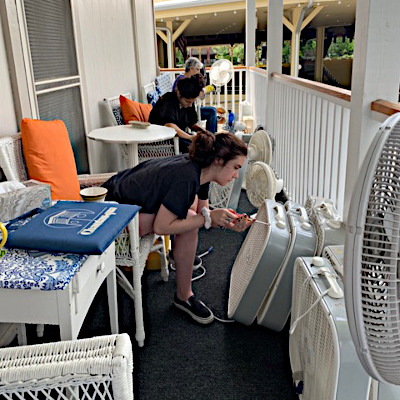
[[313, 354], [276, 307], [257, 262], [321, 347]]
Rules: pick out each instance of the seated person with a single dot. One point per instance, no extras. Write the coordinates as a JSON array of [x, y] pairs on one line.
[[194, 66], [176, 109]]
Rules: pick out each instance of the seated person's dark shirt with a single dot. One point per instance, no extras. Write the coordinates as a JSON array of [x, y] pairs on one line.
[[168, 110], [171, 181]]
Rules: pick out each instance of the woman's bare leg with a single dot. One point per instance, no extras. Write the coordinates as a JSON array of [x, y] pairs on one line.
[[146, 222], [185, 246]]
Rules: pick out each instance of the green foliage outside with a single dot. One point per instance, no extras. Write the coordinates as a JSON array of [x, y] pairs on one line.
[[286, 52], [223, 52], [180, 62], [238, 53], [341, 48], [307, 50], [338, 48]]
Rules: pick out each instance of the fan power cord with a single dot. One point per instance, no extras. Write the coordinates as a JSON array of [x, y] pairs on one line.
[[201, 268], [225, 321], [319, 298]]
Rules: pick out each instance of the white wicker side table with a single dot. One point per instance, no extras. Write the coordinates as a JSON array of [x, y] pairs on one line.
[[97, 368], [57, 288]]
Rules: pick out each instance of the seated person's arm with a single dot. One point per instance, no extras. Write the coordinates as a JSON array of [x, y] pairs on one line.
[[179, 132], [196, 127]]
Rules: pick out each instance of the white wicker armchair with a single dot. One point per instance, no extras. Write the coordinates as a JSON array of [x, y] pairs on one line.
[[131, 250], [98, 368]]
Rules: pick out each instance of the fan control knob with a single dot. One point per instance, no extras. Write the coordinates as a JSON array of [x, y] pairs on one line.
[[318, 262], [306, 226], [281, 224]]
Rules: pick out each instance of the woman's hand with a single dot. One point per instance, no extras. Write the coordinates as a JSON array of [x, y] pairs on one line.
[[226, 218]]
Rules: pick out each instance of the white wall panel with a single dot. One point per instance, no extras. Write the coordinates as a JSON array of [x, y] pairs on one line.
[[146, 42], [106, 49], [8, 123]]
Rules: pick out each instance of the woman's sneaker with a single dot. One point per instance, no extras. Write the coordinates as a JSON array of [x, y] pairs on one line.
[[196, 264], [196, 309]]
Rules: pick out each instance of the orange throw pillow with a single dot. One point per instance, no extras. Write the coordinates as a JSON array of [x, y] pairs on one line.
[[133, 110], [49, 157]]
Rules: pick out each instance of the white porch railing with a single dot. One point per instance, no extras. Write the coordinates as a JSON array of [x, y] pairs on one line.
[[310, 126], [230, 94]]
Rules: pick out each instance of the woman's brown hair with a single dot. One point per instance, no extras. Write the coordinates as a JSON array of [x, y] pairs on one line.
[[207, 146]]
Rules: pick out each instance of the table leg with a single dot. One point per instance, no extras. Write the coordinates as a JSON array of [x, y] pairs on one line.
[[112, 300], [133, 157]]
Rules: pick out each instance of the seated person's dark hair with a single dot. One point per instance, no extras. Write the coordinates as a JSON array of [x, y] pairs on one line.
[[190, 88]]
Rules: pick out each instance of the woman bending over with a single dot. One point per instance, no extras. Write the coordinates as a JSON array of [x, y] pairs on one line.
[[173, 194]]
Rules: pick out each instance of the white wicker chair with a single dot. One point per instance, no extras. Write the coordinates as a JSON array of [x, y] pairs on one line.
[[148, 151], [98, 368], [131, 250]]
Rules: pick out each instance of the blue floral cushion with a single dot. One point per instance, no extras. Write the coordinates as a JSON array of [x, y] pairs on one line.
[[153, 96], [118, 115], [33, 269]]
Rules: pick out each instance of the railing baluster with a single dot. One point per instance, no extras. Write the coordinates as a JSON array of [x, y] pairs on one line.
[[240, 86]]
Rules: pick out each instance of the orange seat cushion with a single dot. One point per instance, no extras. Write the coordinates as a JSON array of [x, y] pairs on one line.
[[49, 157], [133, 110]]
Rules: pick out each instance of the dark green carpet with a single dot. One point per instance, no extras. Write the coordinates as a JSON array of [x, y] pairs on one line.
[[183, 360]]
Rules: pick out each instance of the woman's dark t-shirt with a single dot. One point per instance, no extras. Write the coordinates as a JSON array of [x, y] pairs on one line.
[[171, 181]]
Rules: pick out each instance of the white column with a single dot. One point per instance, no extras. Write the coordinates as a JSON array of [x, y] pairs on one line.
[[319, 54], [274, 54], [251, 24], [376, 75]]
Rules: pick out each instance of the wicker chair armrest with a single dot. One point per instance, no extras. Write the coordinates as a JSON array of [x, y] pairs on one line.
[[68, 364], [89, 180]]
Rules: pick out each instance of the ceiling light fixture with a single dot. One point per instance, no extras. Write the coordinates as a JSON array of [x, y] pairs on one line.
[[195, 16], [161, 20], [339, 2], [215, 14], [177, 18], [234, 11]]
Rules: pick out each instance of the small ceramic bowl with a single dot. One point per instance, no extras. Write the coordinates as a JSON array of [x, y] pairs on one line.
[[94, 193]]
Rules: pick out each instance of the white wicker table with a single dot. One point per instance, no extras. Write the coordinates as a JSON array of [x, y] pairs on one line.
[[55, 293], [128, 138]]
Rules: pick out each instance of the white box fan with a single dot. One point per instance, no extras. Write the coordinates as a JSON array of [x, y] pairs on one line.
[[322, 355], [327, 221], [258, 261], [276, 307]]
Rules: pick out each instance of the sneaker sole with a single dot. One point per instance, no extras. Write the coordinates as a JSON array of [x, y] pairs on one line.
[[195, 267], [200, 320]]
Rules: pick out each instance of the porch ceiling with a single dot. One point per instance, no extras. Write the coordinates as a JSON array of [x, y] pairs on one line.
[[228, 16]]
